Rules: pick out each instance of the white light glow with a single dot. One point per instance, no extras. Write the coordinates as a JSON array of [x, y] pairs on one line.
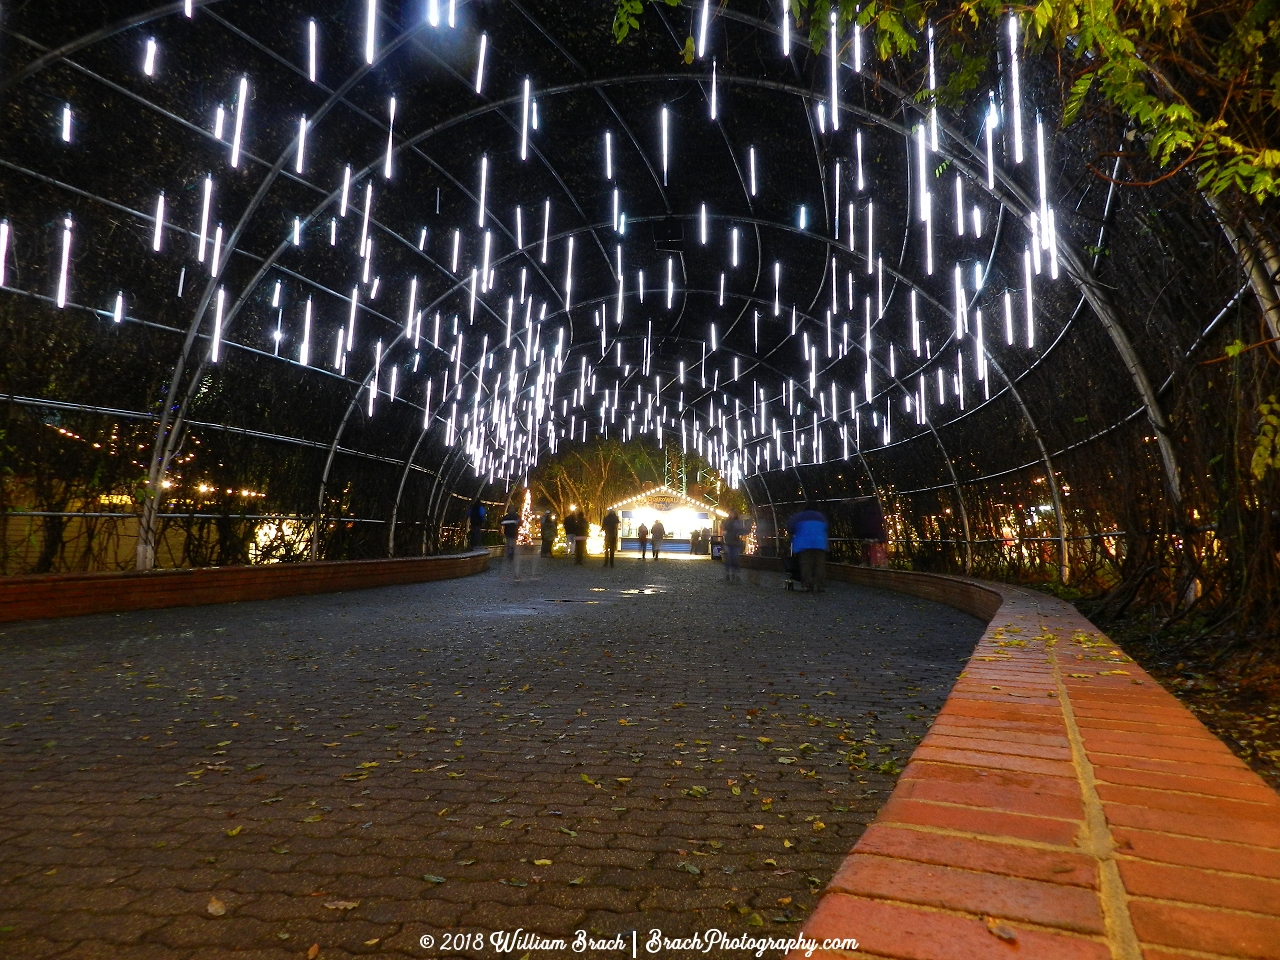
[[215, 351], [346, 191], [524, 122], [4, 249], [239, 130], [835, 75], [484, 47], [65, 263], [370, 29], [484, 182], [302, 145], [149, 58], [66, 123], [391, 132], [311, 50], [1016, 92], [118, 313], [158, 236], [664, 146], [713, 90], [304, 352]]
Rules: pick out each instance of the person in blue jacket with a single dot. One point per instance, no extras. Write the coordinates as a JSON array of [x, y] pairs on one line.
[[809, 543]]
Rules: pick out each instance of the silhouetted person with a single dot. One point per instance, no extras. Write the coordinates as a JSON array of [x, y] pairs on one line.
[[610, 526], [475, 517], [659, 532], [643, 536], [579, 536], [732, 530], [809, 543], [510, 531], [548, 531]]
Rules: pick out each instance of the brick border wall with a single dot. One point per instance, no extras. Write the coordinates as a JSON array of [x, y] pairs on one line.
[[1062, 805], [76, 594]]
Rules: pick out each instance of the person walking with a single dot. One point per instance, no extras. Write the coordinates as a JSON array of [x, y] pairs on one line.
[[548, 531], [610, 525], [510, 531], [475, 517], [579, 537], [643, 536], [809, 543], [659, 532], [733, 530]]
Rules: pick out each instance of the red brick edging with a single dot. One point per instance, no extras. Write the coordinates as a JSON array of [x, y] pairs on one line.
[[75, 594], [1063, 805]]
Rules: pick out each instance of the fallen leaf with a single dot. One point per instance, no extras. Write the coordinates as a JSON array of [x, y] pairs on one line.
[[313, 952], [342, 904], [998, 929], [235, 831], [373, 942], [577, 881], [542, 863], [216, 907], [313, 818], [432, 878]]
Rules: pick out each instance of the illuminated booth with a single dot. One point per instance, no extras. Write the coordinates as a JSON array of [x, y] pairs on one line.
[[681, 515]]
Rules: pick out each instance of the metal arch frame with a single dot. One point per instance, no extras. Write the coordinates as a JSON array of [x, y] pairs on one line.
[[174, 7]]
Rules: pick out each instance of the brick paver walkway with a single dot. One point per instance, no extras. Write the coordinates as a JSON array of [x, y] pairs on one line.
[[1063, 806], [602, 750]]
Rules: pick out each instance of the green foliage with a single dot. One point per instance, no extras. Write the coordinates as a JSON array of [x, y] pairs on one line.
[[1267, 453], [626, 17]]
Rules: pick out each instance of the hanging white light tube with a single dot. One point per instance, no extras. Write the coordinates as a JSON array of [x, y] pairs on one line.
[[1016, 91], [786, 31], [568, 276], [1026, 273], [714, 110], [311, 50], [302, 145], [66, 123], [117, 314], [751, 163], [391, 127], [304, 354], [484, 46], [159, 231], [215, 351], [835, 75], [370, 29], [933, 96], [524, 123], [992, 120], [149, 59], [65, 263], [215, 264], [702, 29], [664, 145], [346, 191], [4, 249], [241, 98], [546, 227], [484, 184]]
